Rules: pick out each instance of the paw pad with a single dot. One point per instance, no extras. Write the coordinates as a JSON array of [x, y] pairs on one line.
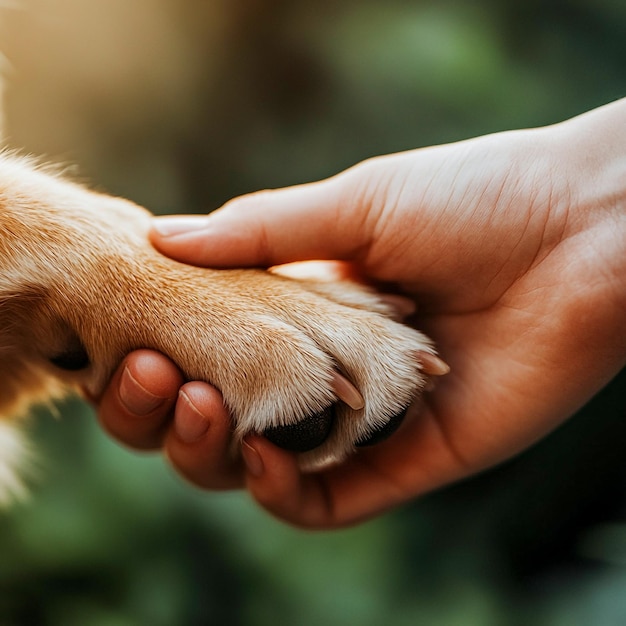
[[305, 435], [381, 433]]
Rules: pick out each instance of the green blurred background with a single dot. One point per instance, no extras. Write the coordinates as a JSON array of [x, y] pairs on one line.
[[182, 104]]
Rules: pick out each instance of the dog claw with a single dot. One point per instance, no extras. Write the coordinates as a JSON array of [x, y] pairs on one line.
[[347, 392], [432, 364], [305, 435]]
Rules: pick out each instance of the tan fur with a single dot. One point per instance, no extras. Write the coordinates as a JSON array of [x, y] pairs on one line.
[[75, 264]]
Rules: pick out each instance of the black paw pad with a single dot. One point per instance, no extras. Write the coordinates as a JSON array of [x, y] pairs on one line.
[[381, 433], [305, 435], [71, 360]]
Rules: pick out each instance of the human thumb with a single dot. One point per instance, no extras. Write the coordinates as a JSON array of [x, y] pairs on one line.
[[266, 228]]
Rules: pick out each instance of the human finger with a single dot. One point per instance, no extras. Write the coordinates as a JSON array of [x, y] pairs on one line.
[[199, 442], [267, 228], [138, 402], [415, 460]]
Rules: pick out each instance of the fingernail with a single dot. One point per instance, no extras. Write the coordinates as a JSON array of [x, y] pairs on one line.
[[179, 225], [136, 398], [252, 459], [189, 423]]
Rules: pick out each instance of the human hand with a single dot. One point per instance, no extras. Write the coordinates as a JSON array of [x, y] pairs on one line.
[[512, 245]]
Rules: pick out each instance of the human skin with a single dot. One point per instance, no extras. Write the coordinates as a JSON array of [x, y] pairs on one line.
[[514, 247]]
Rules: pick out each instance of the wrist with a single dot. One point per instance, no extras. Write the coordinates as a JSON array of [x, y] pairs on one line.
[[590, 160], [593, 153]]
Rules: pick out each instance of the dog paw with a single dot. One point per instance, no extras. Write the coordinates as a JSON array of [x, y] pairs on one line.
[[350, 374], [319, 368]]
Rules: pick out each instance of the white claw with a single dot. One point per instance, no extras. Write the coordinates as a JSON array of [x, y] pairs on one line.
[[431, 364], [347, 392]]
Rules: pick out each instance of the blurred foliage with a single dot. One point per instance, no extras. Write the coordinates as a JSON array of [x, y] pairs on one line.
[[180, 105]]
